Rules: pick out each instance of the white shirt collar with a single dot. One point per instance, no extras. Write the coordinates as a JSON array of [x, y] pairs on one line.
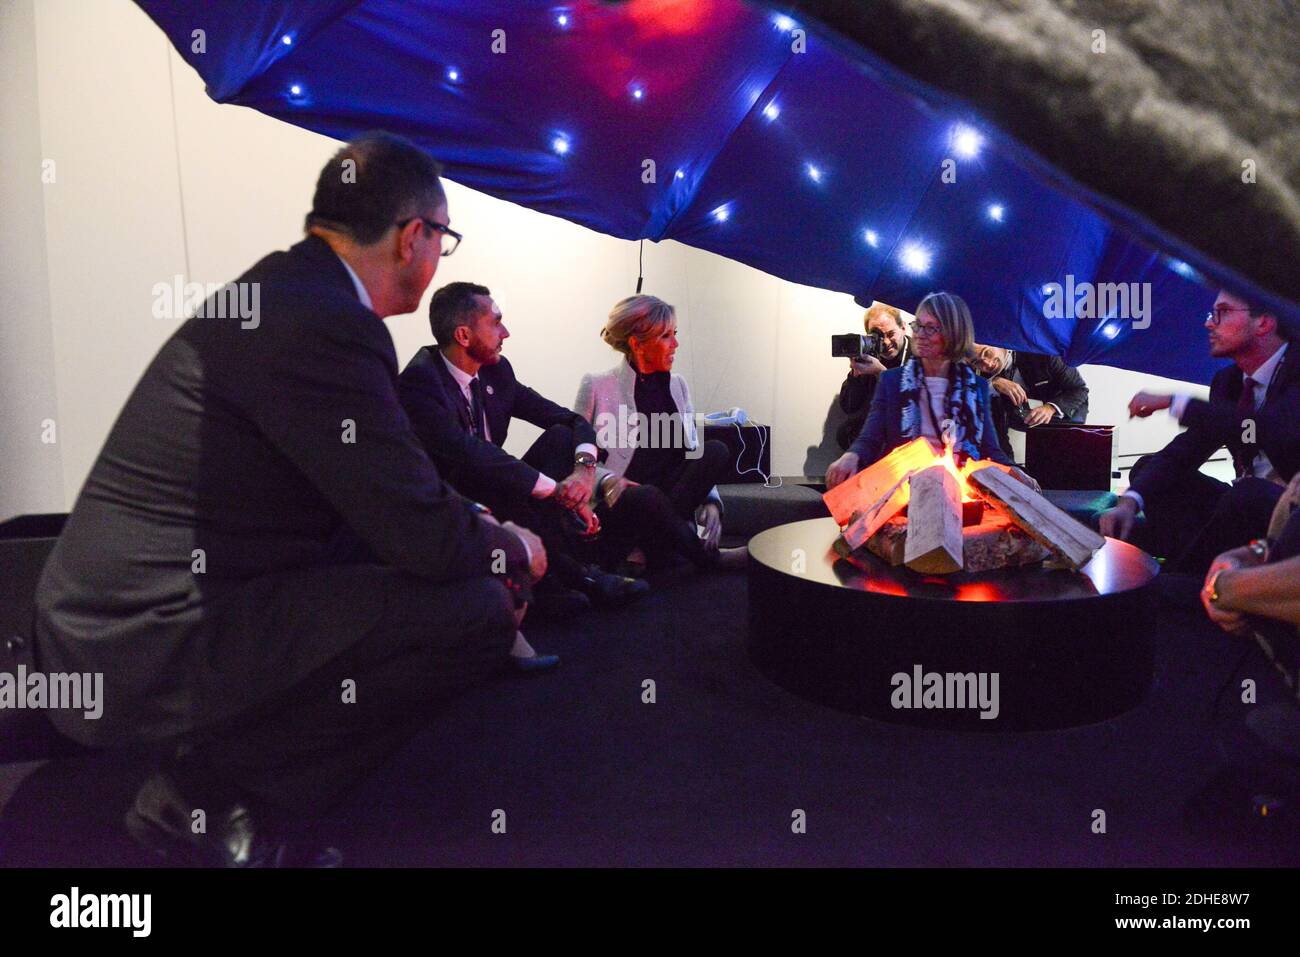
[[463, 378], [356, 281], [1264, 374]]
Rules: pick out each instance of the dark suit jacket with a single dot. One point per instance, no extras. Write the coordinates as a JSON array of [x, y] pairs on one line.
[[1047, 379], [855, 397], [1213, 424], [239, 462], [883, 432], [479, 469]]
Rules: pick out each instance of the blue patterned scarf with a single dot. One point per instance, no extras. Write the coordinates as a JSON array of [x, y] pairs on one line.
[[963, 407]]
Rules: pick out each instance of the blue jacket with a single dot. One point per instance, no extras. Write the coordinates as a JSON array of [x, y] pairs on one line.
[[883, 433]]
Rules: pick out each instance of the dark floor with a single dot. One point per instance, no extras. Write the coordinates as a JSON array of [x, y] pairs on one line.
[[711, 772]]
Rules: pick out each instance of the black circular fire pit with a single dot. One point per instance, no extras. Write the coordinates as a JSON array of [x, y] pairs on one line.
[[862, 636]]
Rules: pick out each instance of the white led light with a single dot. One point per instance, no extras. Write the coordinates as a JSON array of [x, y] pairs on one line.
[[784, 23], [814, 173], [996, 212], [722, 213], [1110, 330], [872, 239], [454, 75], [1182, 268], [296, 90], [966, 142], [680, 174], [637, 92], [771, 111], [915, 258], [286, 40], [560, 144], [562, 19]]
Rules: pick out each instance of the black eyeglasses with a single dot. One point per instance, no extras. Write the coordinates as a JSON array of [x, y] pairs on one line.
[[1215, 315], [450, 238]]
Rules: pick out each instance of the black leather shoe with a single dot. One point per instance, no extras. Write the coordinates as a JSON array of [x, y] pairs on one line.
[[162, 821], [606, 590]]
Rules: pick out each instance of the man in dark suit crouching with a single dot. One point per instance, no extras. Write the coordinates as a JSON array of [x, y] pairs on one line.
[[263, 563]]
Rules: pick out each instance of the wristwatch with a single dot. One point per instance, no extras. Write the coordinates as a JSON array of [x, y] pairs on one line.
[[585, 459]]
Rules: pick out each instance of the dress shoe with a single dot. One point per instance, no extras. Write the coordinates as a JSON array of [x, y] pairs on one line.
[[535, 664], [607, 590], [161, 820]]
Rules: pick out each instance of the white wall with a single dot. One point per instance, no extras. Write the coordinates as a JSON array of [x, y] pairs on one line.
[[32, 468], [155, 180]]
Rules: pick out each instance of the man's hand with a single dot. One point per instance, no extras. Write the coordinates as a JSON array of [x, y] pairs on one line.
[[710, 516], [1232, 622], [1039, 416], [865, 365], [842, 468], [536, 550], [1144, 403], [1118, 522], [576, 489], [1013, 392], [585, 513]]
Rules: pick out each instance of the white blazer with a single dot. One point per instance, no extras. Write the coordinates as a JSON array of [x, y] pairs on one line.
[[606, 398]]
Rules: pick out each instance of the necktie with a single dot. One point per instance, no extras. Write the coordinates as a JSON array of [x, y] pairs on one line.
[[476, 407], [1245, 410]]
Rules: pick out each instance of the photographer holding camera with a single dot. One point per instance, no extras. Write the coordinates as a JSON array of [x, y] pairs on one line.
[[886, 324]]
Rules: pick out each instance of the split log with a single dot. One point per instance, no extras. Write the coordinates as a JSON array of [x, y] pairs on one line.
[[934, 539], [864, 524], [861, 491], [1070, 540]]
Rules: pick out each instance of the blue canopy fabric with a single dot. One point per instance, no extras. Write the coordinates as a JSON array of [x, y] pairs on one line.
[[812, 161]]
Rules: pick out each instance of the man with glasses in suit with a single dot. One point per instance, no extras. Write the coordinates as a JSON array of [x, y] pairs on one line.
[[1253, 410]]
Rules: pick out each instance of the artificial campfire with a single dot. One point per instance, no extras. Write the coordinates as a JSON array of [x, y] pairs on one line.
[[917, 507]]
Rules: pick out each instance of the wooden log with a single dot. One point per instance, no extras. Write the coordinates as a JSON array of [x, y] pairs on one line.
[[1071, 541], [864, 524], [889, 541], [999, 543], [994, 543], [934, 539], [859, 492]]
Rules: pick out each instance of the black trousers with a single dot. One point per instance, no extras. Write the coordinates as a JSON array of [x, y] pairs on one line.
[[661, 519], [1199, 517], [299, 753], [688, 488], [551, 454]]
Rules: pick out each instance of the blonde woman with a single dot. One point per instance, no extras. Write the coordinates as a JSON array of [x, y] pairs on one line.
[[661, 474]]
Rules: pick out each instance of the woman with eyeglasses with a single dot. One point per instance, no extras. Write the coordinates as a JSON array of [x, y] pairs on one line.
[[934, 394]]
